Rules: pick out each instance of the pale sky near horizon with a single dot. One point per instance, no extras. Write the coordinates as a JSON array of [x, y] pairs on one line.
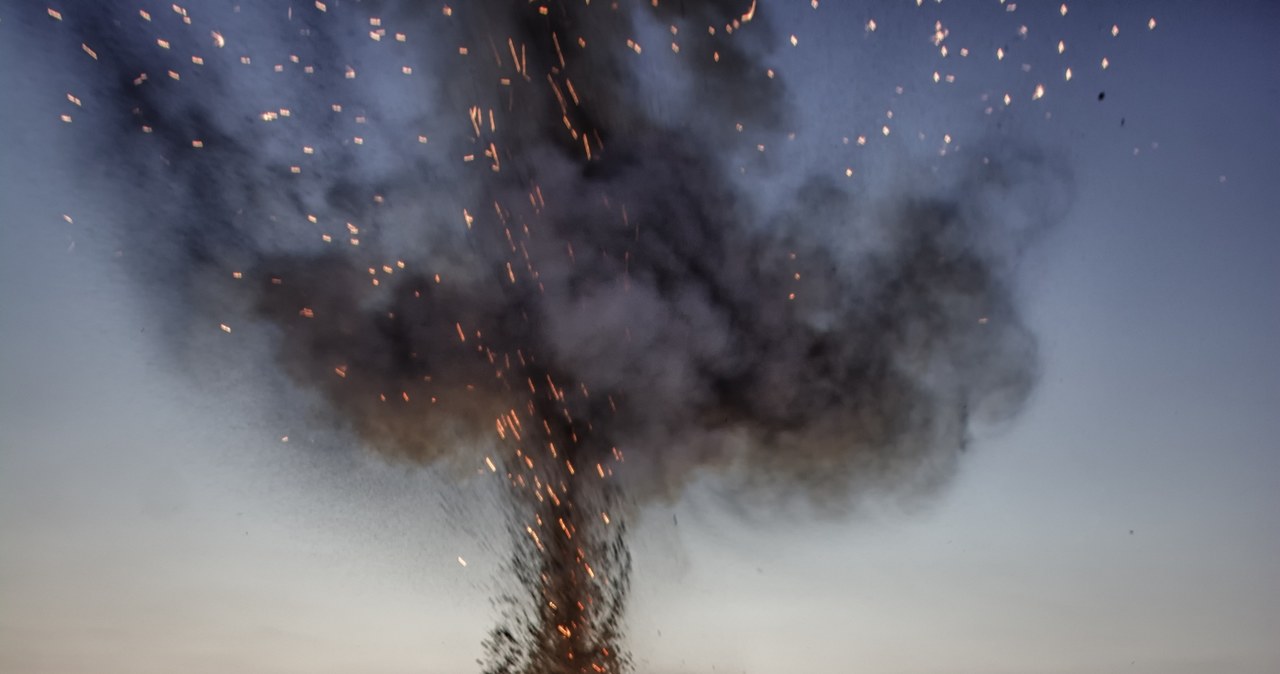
[[1125, 522]]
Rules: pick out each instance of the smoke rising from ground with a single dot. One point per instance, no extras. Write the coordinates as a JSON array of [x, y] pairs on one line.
[[591, 274]]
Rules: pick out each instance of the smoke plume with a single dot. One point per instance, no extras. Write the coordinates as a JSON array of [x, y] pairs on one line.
[[516, 261]]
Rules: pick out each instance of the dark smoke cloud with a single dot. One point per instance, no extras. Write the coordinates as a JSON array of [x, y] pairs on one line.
[[635, 300], [674, 302]]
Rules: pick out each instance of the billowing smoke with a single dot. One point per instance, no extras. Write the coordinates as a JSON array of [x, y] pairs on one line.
[[518, 261]]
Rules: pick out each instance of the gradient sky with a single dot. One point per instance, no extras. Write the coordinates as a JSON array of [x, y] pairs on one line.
[[1126, 522]]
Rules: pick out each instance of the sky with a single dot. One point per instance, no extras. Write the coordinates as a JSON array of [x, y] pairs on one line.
[[152, 518]]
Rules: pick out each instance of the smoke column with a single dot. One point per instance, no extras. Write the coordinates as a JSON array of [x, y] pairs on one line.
[[522, 266]]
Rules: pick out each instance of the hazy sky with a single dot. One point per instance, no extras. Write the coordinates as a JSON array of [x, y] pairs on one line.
[[151, 519]]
